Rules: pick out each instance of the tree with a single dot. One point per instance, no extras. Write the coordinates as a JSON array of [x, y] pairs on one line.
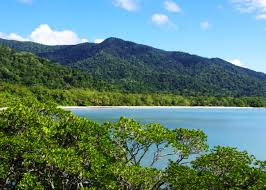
[[43, 147], [46, 147], [146, 145], [222, 168]]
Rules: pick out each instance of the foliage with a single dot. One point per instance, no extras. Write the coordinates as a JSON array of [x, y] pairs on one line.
[[88, 97], [42, 147], [222, 168], [120, 79], [29, 70], [135, 68]]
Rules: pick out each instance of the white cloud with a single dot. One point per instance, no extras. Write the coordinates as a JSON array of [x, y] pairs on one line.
[[129, 5], [160, 19], [172, 6], [12, 36], [98, 40], [43, 34], [236, 62], [257, 7], [163, 20], [205, 25]]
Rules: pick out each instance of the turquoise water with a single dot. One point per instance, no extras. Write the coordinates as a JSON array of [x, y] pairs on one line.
[[241, 128]]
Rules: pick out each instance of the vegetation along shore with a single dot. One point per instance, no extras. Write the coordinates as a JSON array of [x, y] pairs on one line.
[[132, 95], [109, 74], [43, 147]]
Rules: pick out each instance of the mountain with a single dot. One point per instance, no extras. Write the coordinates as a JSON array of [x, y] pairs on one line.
[[134, 67], [29, 70]]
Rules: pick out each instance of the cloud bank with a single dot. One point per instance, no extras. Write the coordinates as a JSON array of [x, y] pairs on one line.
[[44, 34], [257, 7]]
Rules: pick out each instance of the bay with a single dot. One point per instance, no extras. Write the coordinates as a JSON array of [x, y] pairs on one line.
[[243, 128]]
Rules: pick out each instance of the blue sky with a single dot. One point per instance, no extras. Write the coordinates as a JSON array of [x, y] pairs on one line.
[[234, 30]]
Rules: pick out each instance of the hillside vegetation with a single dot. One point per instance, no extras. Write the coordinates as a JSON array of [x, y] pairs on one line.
[[131, 67], [42, 147], [29, 70], [87, 97]]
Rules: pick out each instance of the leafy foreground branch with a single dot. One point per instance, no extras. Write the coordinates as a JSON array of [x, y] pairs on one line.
[[42, 147]]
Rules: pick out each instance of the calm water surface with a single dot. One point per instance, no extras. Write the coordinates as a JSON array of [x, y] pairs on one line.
[[241, 128]]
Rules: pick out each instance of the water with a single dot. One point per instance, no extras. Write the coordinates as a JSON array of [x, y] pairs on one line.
[[241, 128]]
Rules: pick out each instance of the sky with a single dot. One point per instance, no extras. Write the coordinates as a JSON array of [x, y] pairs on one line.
[[234, 30]]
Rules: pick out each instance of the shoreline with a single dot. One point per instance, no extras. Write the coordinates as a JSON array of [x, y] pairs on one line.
[[147, 107], [153, 107]]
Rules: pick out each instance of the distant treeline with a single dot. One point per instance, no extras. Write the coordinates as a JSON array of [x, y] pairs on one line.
[[88, 97]]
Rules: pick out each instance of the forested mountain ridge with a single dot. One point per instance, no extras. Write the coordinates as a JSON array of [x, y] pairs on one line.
[[138, 68], [29, 70]]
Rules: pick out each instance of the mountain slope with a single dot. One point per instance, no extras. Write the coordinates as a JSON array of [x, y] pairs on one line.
[[138, 68], [29, 70]]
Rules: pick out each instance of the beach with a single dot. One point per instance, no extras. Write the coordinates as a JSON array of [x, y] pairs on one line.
[[151, 107]]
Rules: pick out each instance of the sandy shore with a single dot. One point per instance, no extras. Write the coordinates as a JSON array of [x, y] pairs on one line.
[[150, 107]]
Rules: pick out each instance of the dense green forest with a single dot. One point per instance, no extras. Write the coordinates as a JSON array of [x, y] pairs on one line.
[[29, 70], [42, 147], [134, 68], [87, 97], [25, 75]]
